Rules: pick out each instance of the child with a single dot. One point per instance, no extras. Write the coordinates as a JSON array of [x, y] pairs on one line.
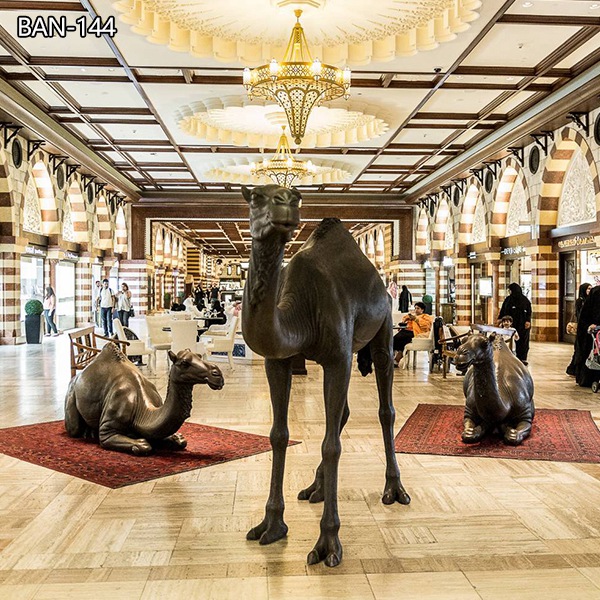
[[506, 322]]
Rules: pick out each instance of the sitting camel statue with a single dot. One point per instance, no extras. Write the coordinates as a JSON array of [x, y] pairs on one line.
[[498, 389], [112, 401], [328, 303]]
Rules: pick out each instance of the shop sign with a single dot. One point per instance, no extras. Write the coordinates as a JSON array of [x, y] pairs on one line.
[[71, 255], [472, 255], [577, 241], [516, 251], [35, 251]]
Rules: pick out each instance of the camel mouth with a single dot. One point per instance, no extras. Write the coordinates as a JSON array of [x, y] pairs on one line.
[[287, 225], [215, 385], [462, 362]]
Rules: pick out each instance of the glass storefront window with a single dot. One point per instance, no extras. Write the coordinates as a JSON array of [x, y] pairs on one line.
[[65, 295], [32, 280]]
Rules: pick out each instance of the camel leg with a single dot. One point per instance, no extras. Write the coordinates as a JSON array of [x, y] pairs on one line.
[[273, 527], [472, 433], [314, 492], [381, 348], [337, 378], [515, 435], [113, 440], [174, 442], [74, 424]]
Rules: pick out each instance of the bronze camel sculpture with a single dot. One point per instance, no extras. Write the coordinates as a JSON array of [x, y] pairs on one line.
[[112, 401], [328, 303], [498, 389]]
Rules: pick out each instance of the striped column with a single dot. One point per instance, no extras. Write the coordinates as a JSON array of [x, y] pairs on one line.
[[462, 276], [83, 291], [10, 302], [135, 274], [545, 295]]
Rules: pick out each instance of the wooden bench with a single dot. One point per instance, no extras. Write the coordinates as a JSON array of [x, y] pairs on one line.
[[84, 347]]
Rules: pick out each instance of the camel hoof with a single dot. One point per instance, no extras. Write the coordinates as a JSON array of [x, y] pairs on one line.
[[141, 448], [471, 436], [313, 493], [399, 496], [328, 550], [512, 437], [267, 534]]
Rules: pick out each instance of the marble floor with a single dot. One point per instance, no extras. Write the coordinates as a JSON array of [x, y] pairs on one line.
[[477, 528]]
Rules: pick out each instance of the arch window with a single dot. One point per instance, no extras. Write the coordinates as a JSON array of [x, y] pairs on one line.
[[578, 200], [449, 234], [478, 224], [68, 232], [517, 211], [32, 214]]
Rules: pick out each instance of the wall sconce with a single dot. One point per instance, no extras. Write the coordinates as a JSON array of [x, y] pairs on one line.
[[447, 261]]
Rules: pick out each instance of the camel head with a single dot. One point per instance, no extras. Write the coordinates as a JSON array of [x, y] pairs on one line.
[[476, 349], [273, 210], [190, 368]]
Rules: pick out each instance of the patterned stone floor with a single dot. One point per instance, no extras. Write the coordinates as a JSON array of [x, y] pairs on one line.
[[477, 528]]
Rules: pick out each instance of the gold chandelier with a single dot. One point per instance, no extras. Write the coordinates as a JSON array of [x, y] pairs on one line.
[[283, 168], [298, 82]]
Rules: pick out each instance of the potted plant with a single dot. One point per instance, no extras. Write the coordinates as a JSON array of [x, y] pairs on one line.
[[166, 300], [33, 321]]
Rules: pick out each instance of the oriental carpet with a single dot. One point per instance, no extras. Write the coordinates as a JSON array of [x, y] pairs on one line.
[[48, 445], [557, 435]]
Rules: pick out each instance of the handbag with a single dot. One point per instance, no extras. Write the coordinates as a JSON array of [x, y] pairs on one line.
[[131, 312]]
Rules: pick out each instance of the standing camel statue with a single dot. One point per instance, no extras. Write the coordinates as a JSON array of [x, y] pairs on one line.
[[328, 303]]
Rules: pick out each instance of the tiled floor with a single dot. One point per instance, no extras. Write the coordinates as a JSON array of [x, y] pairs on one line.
[[477, 528]]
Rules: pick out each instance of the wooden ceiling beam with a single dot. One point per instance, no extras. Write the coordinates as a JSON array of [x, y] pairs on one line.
[[109, 121], [560, 20], [103, 110], [499, 71], [41, 6]]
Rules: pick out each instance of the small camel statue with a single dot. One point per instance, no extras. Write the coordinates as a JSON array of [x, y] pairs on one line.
[[112, 401], [498, 389], [328, 303]]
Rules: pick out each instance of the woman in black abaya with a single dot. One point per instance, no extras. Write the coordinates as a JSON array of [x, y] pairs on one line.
[[584, 292], [590, 315], [517, 306]]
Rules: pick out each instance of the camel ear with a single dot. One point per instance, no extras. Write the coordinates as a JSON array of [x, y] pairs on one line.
[[491, 338], [247, 193], [172, 356]]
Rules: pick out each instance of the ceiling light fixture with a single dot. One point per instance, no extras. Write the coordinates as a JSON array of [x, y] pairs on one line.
[[594, 6], [527, 4], [298, 82], [283, 168]]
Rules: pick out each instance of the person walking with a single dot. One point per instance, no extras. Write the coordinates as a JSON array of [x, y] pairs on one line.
[[517, 306], [96, 303], [124, 304], [106, 302], [405, 300], [49, 311]]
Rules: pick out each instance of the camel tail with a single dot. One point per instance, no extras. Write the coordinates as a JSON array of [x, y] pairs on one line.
[[365, 362]]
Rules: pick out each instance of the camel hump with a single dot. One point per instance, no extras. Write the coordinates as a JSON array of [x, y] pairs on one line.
[[111, 352], [327, 225]]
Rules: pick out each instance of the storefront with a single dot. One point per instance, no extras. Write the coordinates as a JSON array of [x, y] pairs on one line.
[[516, 263], [65, 291], [483, 285], [32, 275], [579, 263]]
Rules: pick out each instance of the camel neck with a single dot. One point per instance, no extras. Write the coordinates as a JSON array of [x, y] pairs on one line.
[[486, 388], [265, 264]]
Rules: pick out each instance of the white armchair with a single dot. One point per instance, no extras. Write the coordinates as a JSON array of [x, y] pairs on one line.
[[418, 344], [135, 347], [183, 335], [157, 338], [221, 342]]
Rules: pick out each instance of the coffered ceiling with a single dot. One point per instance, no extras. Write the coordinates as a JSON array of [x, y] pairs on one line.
[[121, 96]]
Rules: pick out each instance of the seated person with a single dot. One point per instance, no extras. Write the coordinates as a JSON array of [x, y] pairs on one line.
[[176, 307], [217, 314], [418, 325]]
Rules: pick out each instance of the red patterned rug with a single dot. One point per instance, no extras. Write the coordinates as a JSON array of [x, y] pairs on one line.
[[559, 435], [47, 445]]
